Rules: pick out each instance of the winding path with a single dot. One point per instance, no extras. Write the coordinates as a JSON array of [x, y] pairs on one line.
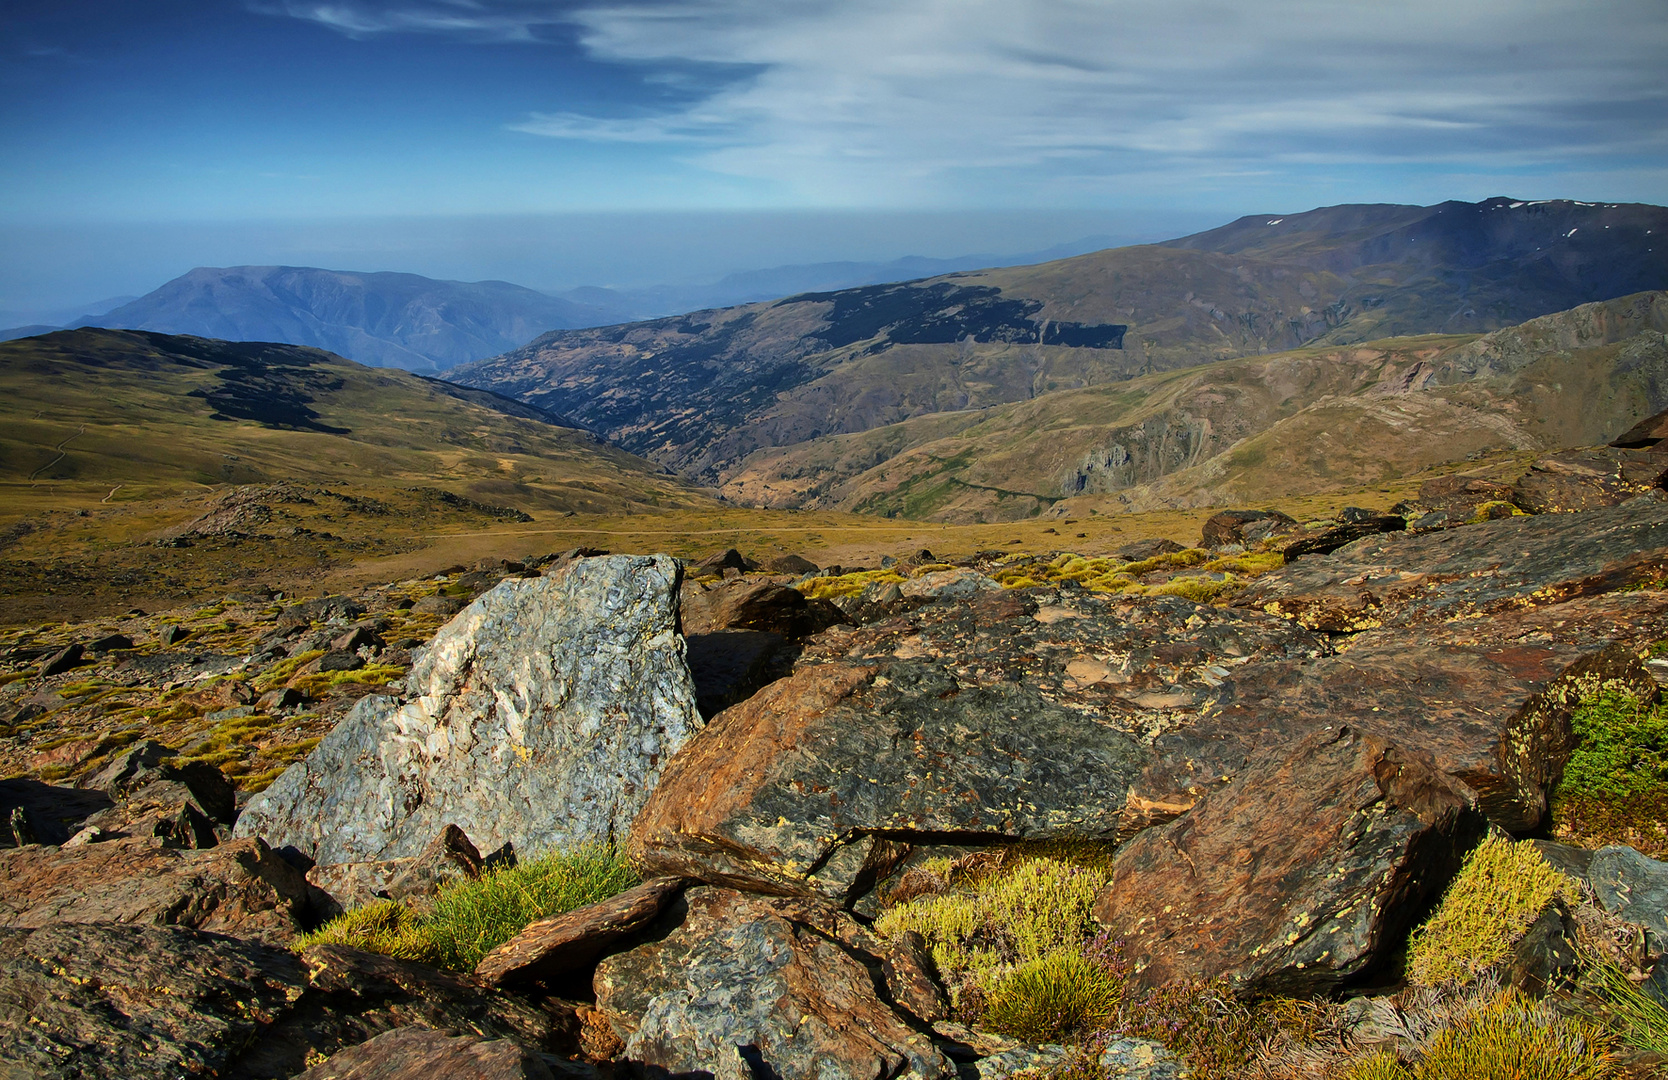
[[62, 453]]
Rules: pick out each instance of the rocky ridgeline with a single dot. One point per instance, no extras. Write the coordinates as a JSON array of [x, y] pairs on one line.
[[1287, 780]]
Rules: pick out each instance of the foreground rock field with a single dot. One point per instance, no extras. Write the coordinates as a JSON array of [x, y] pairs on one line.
[[943, 817]]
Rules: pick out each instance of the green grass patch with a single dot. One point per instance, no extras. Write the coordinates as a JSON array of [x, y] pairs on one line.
[[1632, 1015], [280, 673], [369, 675], [1513, 1038], [471, 918], [1502, 888], [1615, 786], [1052, 998], [828, 588], [15, 676]]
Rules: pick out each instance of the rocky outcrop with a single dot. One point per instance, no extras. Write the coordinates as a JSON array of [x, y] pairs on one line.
[[1353, 524], [542, 715], [1299, 875], [448, 858], [241, 887], [1645, 434], [191, 804], [109, 1002], [1633, 886], [1008, 717], [738, 990], [1402, 580], [1589, 478], [1242, 527], [419, 1053]]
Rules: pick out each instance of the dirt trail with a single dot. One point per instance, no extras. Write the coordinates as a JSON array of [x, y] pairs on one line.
[[62, 453]]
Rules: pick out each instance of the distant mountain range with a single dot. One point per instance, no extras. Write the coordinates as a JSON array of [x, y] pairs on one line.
[[730, 397], [421, 324]]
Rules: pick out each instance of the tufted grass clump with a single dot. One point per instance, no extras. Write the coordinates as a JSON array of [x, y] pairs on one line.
[[1502, 888], [1004, 915], [471, 918], [1382, 1065], [1634, 1016], [1513, 1038], [1615, 786], [829, 588], [1052, 998]]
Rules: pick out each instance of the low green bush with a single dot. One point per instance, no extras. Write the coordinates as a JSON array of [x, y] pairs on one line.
[[471, 918], [1052, 998], [1615, 786], [1502, 888]]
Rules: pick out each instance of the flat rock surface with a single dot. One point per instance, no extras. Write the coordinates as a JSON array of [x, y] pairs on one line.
[[241, 887], [1296, 877], [104, 1001], [542, 716], [1634, 886], [1397, 579], [418, 1053], [739, 991]]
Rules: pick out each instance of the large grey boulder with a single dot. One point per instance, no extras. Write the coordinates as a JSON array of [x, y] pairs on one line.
[[540, 716]]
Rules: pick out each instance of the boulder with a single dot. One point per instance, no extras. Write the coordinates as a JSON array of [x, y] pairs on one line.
[[1300, 875], [992, 720], [1589, 478], [728, 666], [1401, 579], [1345, 532], [796, 565], [188, 803], [437, 605], [114, 1002], [420, 1053], [241, 887], [1461, 495], [1633, 886], [325, 609], [448, 857], [957, 584], [1139, 550], [730, 559], [1229, 526], [753, 605], [66, 659], [542, 715], [1646, 433], [52, 813], [556, 950], [737, 990]]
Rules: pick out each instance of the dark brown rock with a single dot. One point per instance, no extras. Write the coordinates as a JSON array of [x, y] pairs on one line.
[[241, 887], [58, 811], [730, 559], [110, 643], [1646, 433], [1545, 956], [66, 659], [738, 990], [115, 1002], [752, 605], [790, 564], [1297, 877], [566, 947], [437, 605], [1000, 718], [1228, 526], [158, 795], [1461, 494], [420, 1053], [1336, 536], [1146, 549], [1589, 478], [415, 880], [730, 666], [1399, 579]]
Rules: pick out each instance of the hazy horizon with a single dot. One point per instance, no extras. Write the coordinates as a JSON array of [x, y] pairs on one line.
[[558, 143]]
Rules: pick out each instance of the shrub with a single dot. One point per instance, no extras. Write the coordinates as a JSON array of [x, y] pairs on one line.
[[1501, 889], [1051, 998], [1511, 1038], [471, 918]]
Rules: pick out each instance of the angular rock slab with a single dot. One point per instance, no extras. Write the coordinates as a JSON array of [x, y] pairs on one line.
[[1402, 579], [241, 887], [109, 1002], [1634, 886], [418, 1053], [541, 716], [562, 945], [739, 991], [1298, 876]]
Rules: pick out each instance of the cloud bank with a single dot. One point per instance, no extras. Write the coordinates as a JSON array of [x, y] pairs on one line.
[[875, 101]]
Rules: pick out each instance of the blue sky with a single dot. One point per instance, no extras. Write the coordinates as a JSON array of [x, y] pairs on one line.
[[238, 129]]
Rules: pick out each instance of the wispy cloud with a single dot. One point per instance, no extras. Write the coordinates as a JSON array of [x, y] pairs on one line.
[[866, 100]]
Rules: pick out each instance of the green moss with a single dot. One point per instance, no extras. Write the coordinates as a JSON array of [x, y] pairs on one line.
[[827, 588], [279, 674], [471, 918], [1501, 889], [1615, 786], [986, 925]]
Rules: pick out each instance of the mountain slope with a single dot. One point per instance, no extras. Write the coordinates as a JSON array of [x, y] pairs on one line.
[[1327, 418], [382, 319], [160, 414], [701, 392]]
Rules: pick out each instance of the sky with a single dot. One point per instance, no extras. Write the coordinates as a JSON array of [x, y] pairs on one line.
[[563, 142]]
